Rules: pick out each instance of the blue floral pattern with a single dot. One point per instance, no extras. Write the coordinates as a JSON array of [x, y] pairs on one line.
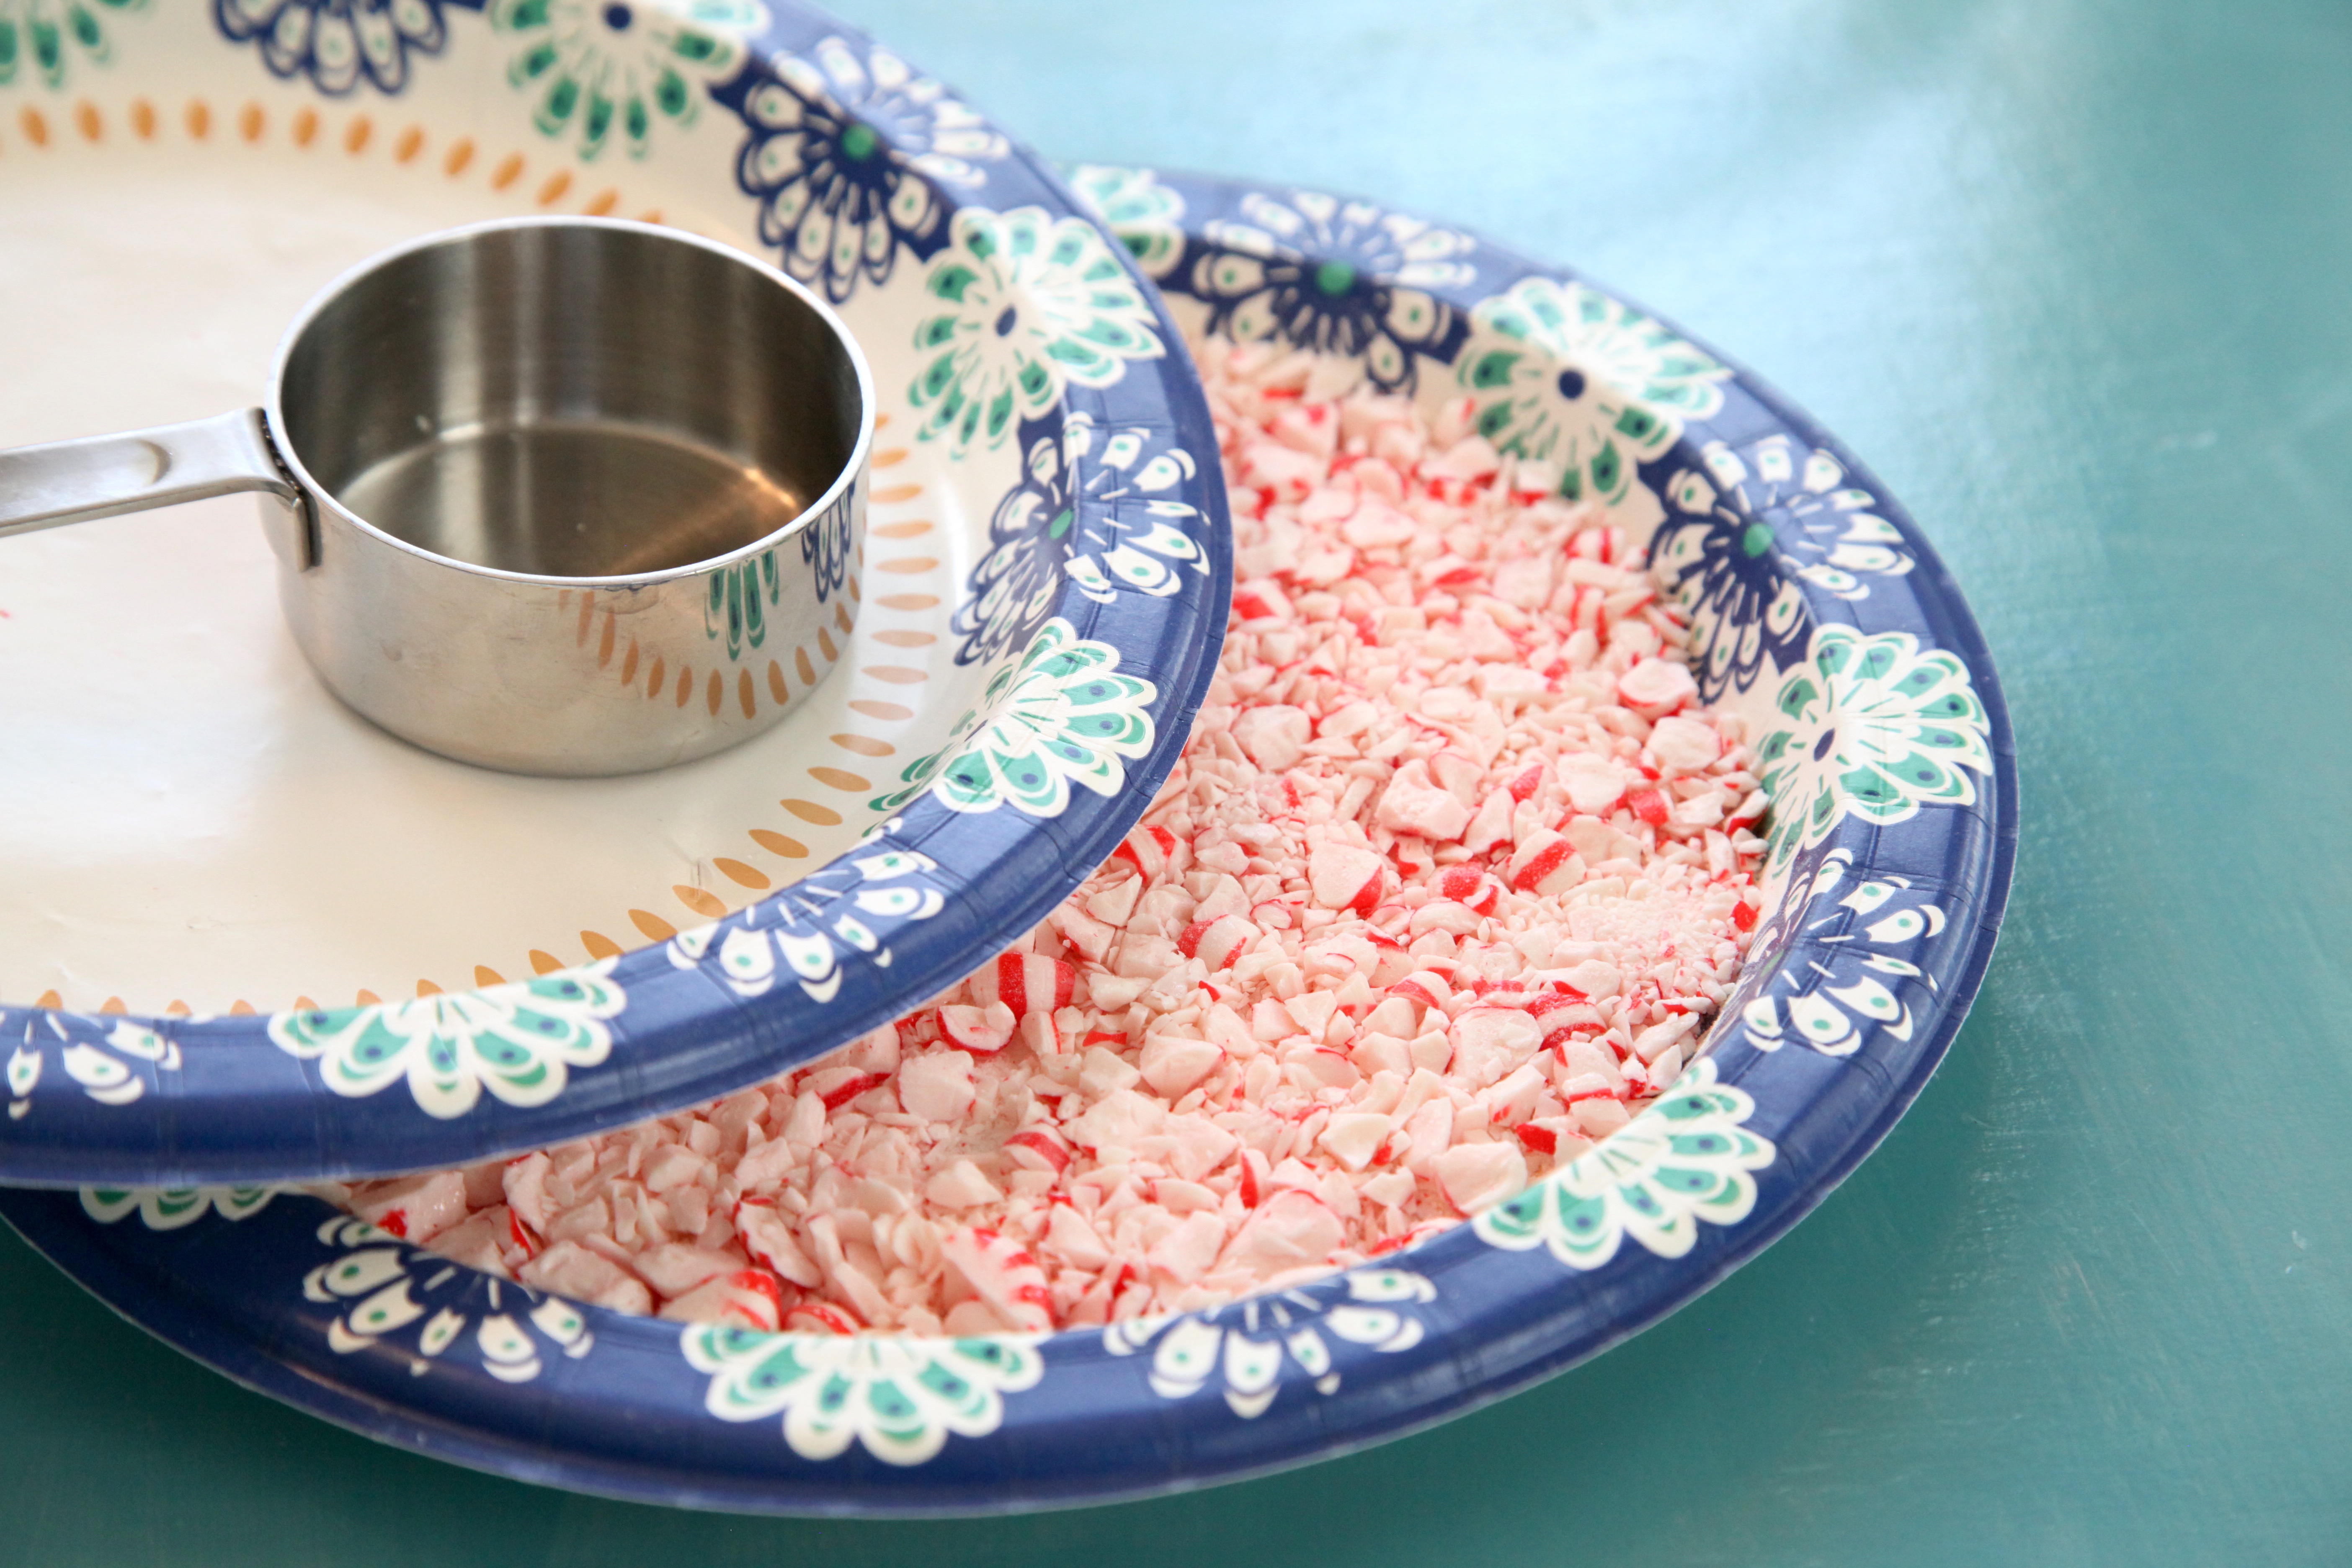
[[1742, 533], [855, 905], [1031, 313], [849, 151], [826, 545], [338, 43], [1142, 536], [1145, 538], [1855, 975], [1249, 1346], [1012, 589], [374, 1279], [1341, 277], [109, 1059]]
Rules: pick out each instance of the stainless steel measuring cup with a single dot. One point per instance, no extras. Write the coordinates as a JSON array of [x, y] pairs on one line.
[[551, 495]]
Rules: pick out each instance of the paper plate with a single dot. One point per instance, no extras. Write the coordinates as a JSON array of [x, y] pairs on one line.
[[1819, 612], [261, 939]]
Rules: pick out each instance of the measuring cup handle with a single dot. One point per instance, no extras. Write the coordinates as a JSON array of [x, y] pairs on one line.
[[105, 476]]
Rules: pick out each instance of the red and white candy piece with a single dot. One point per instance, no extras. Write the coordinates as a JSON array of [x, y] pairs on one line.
[[1023, 983], [1452, 876]]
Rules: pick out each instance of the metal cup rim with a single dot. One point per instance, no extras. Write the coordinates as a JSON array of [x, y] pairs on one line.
[[852, 470]]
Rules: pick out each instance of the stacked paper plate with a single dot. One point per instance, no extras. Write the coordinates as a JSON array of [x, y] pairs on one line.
[[250, 941]]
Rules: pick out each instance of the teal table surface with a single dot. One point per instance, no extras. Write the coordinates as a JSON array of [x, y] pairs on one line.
[[2075, 277]]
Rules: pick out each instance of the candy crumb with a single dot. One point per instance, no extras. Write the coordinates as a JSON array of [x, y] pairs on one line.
[[1444, 891]]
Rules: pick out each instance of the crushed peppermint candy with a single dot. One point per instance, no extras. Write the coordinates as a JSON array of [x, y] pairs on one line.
[[1444, 891]]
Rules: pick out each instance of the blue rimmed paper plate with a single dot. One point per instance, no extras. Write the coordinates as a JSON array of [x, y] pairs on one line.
[[1819, 613], [257, 939]]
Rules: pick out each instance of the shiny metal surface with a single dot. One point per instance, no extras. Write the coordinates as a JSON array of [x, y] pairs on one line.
[[548, 495], [105, 476], [570, 499], [568, 399]]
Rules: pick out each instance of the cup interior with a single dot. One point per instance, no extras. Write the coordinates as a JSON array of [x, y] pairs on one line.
[[572, 399]]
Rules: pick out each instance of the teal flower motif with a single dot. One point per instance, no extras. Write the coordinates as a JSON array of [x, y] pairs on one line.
[[736, 18], [1685, 1160], [1063, 715], [1148, 216], [1029, 304], [741, 597], [518, 1040], [169, 1208], [1566, 375], [605, 70], [46, 34], [1868, 727], [899, 1395]]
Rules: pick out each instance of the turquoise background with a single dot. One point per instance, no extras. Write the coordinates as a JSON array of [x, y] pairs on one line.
[[2075, 277]]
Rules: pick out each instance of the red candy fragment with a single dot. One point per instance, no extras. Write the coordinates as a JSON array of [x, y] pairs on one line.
[[1044, 1146], [852, 1088], [1452, 876]]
